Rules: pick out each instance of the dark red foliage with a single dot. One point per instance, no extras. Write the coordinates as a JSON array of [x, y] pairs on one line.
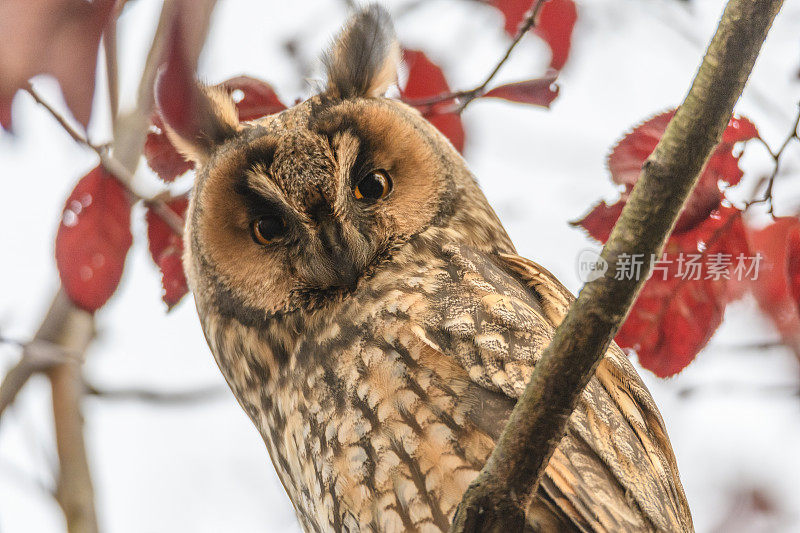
[[161, 156], [555, 25], [539, 91], [93, 239], [178, 97], [777, 288], [258, 98], [601, 219], [166, 249], [426, 80], [675, 314], [58, 37], [626, 160], [556, 22], [674, 317]]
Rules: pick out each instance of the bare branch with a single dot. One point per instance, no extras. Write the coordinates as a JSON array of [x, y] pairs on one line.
[[196, 396], [112, 71], [464, 97], [37, 355], [72, 328], [132, 127], [498, 498], [112, 165], [766, 196]]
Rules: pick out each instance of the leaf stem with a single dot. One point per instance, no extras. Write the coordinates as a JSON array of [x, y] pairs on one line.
[[112, 165], [464, 97], [766, 196]]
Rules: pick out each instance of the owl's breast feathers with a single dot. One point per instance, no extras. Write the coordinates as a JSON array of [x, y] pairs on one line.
[[379, 413]]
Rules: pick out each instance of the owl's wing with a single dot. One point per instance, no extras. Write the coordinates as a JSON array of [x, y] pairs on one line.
[[615, 469]]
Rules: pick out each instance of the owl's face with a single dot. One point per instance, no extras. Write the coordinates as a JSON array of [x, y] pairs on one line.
[[317, 196], [306, 203]]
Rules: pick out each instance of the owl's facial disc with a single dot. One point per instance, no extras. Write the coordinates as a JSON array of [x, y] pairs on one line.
[[335, 251], [320, 195]]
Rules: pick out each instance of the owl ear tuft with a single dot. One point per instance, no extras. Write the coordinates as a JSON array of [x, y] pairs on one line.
[[197, 118], [364, 59]]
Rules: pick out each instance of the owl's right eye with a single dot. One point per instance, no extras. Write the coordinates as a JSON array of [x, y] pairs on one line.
[[267, 229]]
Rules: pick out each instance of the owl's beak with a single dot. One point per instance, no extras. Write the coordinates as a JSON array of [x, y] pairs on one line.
[[343, 263]]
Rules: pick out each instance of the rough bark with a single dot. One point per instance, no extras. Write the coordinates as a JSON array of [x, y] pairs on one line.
[[497, 498]]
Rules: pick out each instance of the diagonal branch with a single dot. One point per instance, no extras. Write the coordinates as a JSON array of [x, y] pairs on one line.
[[115, 167], [497, 499], [464, 97], [37, 356], [766, 196]]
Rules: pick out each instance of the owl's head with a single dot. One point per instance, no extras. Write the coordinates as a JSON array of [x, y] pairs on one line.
[[314, 198]]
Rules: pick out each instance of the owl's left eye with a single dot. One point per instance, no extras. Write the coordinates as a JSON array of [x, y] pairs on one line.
[[374, 186], [267, 229]]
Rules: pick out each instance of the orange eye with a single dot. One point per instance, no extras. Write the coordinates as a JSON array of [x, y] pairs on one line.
[[267, 229], [374, 186]]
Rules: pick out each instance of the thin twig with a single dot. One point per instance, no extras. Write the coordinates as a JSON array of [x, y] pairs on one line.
[[776, 156], [112, 165], [157, 397], [464, 97], [72, 329], [37, 356], [753, 347], [739, 387], [112, 70]]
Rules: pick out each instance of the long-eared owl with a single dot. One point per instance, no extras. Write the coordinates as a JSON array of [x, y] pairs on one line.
[[371, 315]]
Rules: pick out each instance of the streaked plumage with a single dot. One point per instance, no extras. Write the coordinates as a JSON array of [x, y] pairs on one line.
[[379, 347]]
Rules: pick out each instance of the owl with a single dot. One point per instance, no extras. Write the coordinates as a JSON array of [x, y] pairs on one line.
[[372, 317]]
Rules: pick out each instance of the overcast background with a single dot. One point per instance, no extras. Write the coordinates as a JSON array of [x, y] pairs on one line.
[[733, 415]]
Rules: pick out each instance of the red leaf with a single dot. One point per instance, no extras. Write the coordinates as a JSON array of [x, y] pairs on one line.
[[161, 156], [166, 249], [258, 98], [675, 314], [178, 98], [58, 37], [555, 24], [626, 160], [540, 91], [513, 11], [426, 80], [5, 114], [777, 288], [93, 239], [739, 129], [556, 21], [601, 220]]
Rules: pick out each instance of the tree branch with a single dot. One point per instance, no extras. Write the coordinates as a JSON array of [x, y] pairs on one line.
[[114, 167], [464, 97], [766, 196], [497, 499], [37, 355], [71, 328], [194, 396]]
